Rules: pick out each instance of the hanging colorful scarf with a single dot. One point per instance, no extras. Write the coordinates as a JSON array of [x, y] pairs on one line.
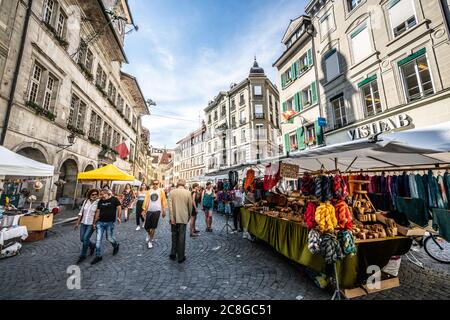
[[339, 188], [307, 185], [343, 215], [314, 241], [310, 215], [330, 248], [347, 242]]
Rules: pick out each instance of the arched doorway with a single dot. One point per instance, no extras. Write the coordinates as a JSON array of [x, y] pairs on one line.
[[68, 173], [35, 155], [86, 187]]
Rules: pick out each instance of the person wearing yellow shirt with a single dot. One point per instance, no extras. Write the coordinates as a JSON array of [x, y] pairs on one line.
[[155, 204]]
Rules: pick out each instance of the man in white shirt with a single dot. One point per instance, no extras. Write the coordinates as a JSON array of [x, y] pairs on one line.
[[86, 222], [155, 203]]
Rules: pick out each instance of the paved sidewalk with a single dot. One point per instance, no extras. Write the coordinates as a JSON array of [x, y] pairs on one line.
[[218, 266]]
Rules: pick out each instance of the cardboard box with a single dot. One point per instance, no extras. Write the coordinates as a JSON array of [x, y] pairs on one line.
[[35, 236], [37, 222]]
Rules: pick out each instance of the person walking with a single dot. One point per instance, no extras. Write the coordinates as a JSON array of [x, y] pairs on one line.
[[238, 203], [208, 197], [86, 223], [196, 201], [180, 213], [155, 203], [139, 206], [128, 199], [108, 211]]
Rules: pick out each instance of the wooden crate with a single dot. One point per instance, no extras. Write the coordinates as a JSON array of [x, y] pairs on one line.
[[37, 222], [404, 231], [34, 236], [384, 285]]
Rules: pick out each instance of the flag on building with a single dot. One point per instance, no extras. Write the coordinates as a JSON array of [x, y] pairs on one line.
[[123, 149]]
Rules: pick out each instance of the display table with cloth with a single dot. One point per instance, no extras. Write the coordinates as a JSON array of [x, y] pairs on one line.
[[13, 233], [291, 239]]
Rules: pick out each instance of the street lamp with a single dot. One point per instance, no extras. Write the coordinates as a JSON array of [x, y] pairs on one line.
[[71, 139]]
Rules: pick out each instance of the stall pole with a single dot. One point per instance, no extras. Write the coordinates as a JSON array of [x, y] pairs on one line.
[[49, 191], [337, 292], [75, 196]]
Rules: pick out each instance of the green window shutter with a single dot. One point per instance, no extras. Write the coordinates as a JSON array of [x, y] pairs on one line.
[[296, 102], [301, 138], [314, 92], [293, 72], [284, 106], [283, 80], [287, 145], [319, 133], [300, 102], [310, 58]]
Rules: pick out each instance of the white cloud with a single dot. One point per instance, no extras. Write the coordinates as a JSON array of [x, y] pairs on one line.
[[183, 88]]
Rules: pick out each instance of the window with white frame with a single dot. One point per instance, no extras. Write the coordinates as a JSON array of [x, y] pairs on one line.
[[293, 142], [259, 132], [61, 24], [402, 15], [352, 4], [257, 90], [95, 125], [310, 135], [332, 69], [417, 78], [134, 122], [304, 63], [243, 117], [241, 99], [112, 93], [49, 7], [306, 96], [361, 42], [49, 94], [371, 98], [243, 137], [100, 78], [35, 83], [259, 112], [290, 104], [107, 132], [77, 112], [339, 113], [326, 23]]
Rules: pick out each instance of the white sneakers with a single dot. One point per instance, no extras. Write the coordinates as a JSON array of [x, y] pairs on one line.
[[150, 245], [138, 228], [147, 239]]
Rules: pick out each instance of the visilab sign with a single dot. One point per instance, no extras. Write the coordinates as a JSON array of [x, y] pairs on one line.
[[400, 121]]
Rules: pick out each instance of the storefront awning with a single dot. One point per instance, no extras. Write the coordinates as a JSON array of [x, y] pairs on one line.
[[15, 165], [106, 173]]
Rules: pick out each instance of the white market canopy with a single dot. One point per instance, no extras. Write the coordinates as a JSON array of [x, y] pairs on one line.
[[15, 165], [417, 147]]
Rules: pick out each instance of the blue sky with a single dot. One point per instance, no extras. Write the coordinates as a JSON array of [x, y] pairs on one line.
[[186, 51]]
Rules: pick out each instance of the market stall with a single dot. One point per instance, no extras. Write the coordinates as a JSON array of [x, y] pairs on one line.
[[343, 216], [17, 224]]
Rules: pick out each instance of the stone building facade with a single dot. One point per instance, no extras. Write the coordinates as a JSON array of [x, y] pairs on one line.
[[383, 65], [69, 82], [297, 75], [243, 123], [189, 161]]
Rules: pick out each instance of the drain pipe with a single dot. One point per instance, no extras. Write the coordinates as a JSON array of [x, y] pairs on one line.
[[16, 73]]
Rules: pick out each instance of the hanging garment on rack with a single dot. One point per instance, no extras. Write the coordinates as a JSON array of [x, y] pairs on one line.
[[442, 191], [413, 186], [233, 177], [308, 185], [447, 184], [434, 193], [271, 176], [383, 184], [381, 201], [415, 209], [421, 189], [403, 186], [339, 188], [372, 187], [394, 190], [441, 222], [249, 180]]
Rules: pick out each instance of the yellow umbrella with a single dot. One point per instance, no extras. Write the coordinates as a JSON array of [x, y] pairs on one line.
[[106, 173]]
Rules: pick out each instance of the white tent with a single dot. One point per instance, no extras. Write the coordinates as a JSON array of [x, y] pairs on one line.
[[15, 165], [416, 147]]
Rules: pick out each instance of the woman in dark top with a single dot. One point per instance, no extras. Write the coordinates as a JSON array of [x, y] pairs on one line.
[[128, 200], [196, 200]]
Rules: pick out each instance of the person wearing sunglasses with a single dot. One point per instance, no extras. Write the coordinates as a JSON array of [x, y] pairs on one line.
[[85, 223], [155, 203]]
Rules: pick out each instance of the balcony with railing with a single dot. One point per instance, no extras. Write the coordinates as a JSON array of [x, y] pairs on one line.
[[243, 121], [259, 116]]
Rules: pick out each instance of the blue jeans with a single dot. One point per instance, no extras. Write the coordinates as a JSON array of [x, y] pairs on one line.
[[102, 228], [86, 232]]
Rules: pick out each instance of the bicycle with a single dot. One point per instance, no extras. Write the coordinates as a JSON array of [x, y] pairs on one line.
[[435, 246]]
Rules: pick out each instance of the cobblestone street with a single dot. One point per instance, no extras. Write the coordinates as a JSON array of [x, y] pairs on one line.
[[218, 266]]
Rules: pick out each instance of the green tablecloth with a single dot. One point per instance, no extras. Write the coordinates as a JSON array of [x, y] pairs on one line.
[[291, 239]]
